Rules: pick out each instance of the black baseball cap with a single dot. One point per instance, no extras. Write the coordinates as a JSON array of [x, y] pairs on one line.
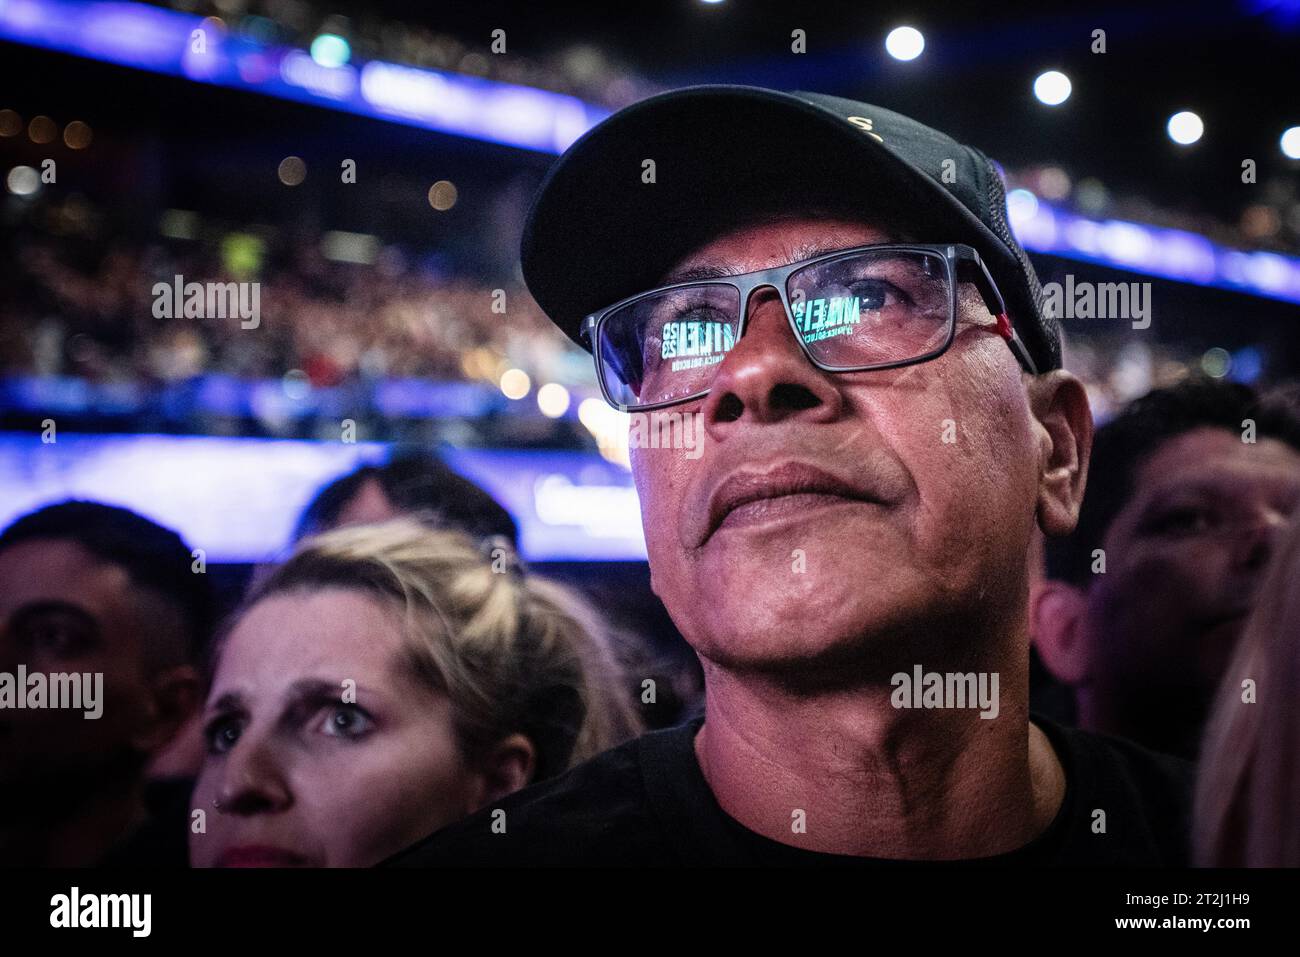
[[598, 233]]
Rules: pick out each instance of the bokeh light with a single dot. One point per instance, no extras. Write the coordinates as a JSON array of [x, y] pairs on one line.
[[1052, 87], [1185, 128], [292, 171], [904, 43], [443, 195]]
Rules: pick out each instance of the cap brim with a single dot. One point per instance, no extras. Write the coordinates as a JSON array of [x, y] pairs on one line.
[[597, 232]]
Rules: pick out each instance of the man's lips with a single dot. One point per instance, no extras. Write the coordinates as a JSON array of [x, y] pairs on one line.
[[260, 855], [750, 497]]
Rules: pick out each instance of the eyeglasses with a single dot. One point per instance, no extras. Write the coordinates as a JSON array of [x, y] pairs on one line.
[[854, 310]]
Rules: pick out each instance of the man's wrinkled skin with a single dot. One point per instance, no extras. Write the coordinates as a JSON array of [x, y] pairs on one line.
[[927, 565]]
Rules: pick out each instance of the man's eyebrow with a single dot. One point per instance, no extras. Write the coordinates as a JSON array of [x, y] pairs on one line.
[[55, 606], [721, 268]]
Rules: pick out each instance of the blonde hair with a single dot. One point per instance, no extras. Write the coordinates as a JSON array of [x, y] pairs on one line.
[[1247, 802], [513, 652]]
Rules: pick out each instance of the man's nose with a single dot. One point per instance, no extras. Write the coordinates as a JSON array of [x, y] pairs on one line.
[[766, 377], [253, 779], [1257, 539]]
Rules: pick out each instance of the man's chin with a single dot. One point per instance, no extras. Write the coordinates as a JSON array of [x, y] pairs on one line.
[[815, 647]]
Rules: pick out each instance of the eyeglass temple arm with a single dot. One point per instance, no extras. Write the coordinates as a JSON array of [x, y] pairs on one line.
[[587, 332], [993, 301]]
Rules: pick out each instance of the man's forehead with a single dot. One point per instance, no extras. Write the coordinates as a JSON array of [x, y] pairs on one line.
[[1214, 444], [59, 569], [772, 242], [1210, 457]]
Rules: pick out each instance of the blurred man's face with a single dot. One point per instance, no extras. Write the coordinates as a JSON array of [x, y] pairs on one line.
[[64, 610], [860, 524], [1183, 558]]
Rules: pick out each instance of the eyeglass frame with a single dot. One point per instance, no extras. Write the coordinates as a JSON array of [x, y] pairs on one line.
[[746, 284]]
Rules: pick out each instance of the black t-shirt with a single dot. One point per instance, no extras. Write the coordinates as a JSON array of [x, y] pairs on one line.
[[162, 840], [647, 803]]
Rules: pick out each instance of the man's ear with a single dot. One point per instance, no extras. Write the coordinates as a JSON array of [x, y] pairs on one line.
[[175, 696], [1059, 403], [507, 767], [1058, 623]]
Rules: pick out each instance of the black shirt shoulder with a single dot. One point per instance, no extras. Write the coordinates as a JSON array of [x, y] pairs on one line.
[[594, 814], [1130, 806]]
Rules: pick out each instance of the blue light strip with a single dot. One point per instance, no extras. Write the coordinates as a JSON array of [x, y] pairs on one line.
[[184, 45], [1166, 253], [239, 499]]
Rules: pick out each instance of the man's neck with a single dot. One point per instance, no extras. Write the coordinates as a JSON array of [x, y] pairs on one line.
[[850, 773]]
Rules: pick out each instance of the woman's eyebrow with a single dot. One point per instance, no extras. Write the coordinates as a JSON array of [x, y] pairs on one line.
[[230, 701], [326, 690], [317, 688]]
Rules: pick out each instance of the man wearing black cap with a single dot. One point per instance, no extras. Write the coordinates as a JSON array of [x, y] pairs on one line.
[[832, 288]]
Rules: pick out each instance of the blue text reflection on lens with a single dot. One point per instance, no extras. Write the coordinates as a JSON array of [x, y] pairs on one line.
[[824, 318], [696, 340]]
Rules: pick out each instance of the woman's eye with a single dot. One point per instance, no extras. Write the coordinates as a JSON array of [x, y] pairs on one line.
[[346, 721], [222, 734]]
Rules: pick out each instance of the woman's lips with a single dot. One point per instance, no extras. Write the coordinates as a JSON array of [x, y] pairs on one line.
[[260, 856]]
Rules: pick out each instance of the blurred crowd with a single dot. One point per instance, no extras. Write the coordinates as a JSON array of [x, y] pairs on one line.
[[84, 306], [79, 305]]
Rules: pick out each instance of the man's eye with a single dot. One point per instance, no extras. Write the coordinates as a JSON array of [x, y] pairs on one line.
[[346, 721], [222, 734], [874, 293], [1181, 521], [56, 636]]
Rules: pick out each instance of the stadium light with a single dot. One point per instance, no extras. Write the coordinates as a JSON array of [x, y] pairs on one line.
[[1052, 87], [904, 43], [1185, 128], [1291, 143]]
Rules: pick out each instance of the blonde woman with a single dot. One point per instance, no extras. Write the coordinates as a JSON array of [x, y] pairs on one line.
[[385, 681], [1247, 805]]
